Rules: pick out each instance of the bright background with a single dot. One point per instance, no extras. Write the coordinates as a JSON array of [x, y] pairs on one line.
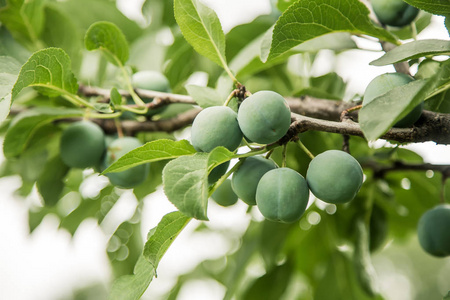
[[49, 264]]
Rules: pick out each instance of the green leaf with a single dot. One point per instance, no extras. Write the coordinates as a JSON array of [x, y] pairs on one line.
[[9, 68], [50, 71], [24, 19], [204, 96], [25, 124], [413, 50], [185, 181], [150, 152], [437, 7], [51, 182], [61, 31], [307, 19], [166, 232], [390, 108], [116, 98], [108, 38], [439, 103], [131, 287], [180, 62], [10, 47], [202, 29]]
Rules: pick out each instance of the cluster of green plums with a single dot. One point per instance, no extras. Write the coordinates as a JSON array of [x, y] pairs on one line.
[[281, 194], [395, 13], [84, 145]]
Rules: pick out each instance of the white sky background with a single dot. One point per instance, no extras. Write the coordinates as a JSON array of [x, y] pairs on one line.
[[49, 265]]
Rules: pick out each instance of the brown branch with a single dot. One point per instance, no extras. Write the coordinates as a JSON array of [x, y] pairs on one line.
[[431, 127]]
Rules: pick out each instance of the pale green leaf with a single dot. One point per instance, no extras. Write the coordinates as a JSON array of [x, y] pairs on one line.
[[185, 181], [152, 151], [166, 232], [116, 98], [413, 50], [24, 19], [50, 71], [307, 19], [25, 124], [437, 7], [217, 156], [131, 287], [108, 38], [202, 29], [204, 96], [9, 68], [379, 115]]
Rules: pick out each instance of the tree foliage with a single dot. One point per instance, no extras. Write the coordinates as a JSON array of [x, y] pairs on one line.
[[63, 61]]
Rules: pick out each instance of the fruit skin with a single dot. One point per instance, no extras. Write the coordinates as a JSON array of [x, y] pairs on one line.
[[216, 126], [131, 177], [264, 117], [433, 230], [282, 195], [334, 176], [245, 179], [153, 81], [394, 12], [383, 84], [224, 194], [82, 144]]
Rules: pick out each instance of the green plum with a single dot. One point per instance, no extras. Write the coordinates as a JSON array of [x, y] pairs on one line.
[[282, 195], [131, 177], [383, 84], [394, 12], [433, 230], [264, 117], [216, 126], [245, 179], [224, 194], [334, 176], [82, 144]]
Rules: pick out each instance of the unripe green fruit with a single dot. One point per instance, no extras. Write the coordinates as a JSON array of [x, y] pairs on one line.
[[282, 195], [216, 126], [264, 117], [153, 81], [82, 144], [334, 176], [224, 194], [245, 179], [433, 230], [394, 12], [131, 177], [383, 84]]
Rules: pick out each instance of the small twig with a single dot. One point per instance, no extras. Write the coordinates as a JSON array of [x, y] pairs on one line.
[[346, 143]]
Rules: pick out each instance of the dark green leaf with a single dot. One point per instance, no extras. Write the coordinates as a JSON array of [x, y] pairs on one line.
[[166, 232], [439, 103], [180, 62], [108, 38], [61, 31], [131, 287], [25, 124], [202, 29], [413, 50], [51, 182], [307, 19], [437, 7], [204, 96], [152, 151], [390, 108], [24, 19], [50, 71]]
